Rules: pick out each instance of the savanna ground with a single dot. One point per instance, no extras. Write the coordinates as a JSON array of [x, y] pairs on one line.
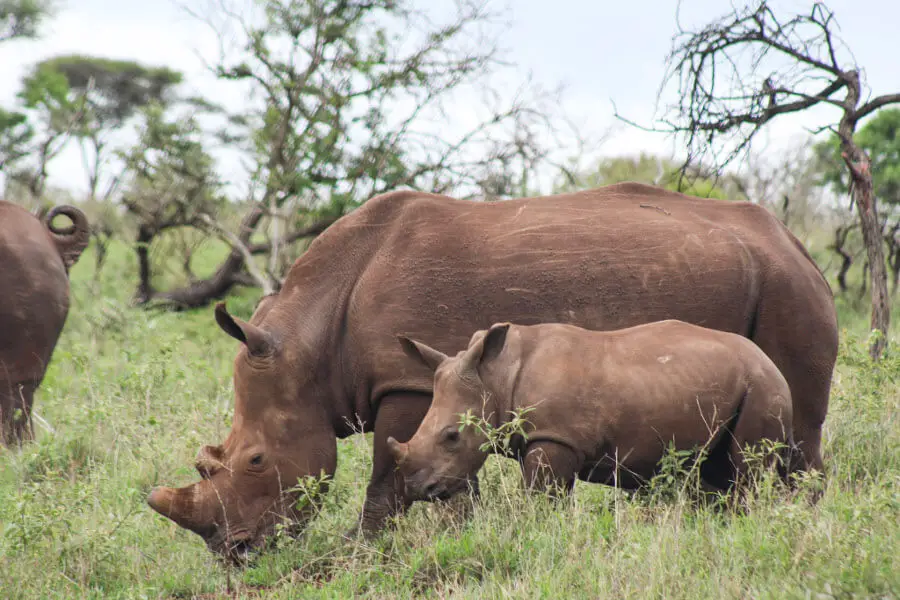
[[132, 394]]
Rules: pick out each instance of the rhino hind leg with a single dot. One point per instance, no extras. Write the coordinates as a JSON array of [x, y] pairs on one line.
[[762, 436], [16, 401], [798, 331]]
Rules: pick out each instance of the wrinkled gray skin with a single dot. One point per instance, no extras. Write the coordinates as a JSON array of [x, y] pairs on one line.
[[604, 405], [319, 361], [35, 257]]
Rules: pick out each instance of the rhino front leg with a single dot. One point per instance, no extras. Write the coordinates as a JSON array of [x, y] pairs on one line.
[[398, 416], [550, 467]]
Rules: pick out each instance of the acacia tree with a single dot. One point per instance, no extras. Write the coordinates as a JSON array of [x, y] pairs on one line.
[[112, 92], [741, 71], [346, 100]]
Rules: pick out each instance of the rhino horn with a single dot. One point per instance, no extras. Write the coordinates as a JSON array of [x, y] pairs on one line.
[[184, 506], [398, 450]]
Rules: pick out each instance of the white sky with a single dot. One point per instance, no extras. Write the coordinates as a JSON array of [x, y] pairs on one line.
[[601, 50]]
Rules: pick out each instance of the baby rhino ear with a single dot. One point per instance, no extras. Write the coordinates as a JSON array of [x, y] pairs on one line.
[[494, 341], [426, 355], [485, 347]]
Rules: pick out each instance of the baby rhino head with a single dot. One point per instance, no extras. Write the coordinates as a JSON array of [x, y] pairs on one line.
[[444, 454]]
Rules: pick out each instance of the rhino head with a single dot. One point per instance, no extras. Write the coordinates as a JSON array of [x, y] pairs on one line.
[[443, 456], [249, 483]]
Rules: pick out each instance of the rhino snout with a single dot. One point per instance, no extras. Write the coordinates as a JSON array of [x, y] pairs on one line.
[[421, 482]]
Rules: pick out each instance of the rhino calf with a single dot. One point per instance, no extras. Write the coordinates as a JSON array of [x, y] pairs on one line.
[[35, 257], [604, 405]]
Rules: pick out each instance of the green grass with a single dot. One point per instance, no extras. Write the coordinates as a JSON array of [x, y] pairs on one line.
[[132, 394]]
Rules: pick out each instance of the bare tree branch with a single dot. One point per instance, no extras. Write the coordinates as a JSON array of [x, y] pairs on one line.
[[263, 282]]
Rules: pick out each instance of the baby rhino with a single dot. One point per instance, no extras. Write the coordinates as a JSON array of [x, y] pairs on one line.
[[605, 406]]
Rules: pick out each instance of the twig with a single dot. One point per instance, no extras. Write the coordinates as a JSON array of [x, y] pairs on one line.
[[660, 209]]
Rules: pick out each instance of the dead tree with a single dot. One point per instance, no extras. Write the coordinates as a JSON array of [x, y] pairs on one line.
[[738, 73]]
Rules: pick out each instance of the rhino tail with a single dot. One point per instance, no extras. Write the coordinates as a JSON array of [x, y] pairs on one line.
[[72, 240]]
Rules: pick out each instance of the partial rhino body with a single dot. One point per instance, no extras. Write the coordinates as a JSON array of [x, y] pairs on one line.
[[603, 407], [319, 360], [35, 257]]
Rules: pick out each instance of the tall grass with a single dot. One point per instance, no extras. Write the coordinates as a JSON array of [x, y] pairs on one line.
[[132, 394]]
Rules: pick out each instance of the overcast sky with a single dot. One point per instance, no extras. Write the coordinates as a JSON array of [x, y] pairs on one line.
[[601, 50]]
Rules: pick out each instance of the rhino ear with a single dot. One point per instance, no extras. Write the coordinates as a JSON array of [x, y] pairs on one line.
[[422, 353], [486, 347], [259, 342], [494, 341]]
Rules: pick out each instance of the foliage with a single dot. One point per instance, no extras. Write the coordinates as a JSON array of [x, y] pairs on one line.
[[131, 395], [653, 170], [880, 138], [22, 18], [172, 176], [15, 135], [115, 88]]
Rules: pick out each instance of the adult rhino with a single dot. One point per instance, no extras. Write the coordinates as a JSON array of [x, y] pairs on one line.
[[35, 257], [320, 358]]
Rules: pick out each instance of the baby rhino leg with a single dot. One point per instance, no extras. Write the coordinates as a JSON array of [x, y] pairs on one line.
[[549, 467], [764, 428]]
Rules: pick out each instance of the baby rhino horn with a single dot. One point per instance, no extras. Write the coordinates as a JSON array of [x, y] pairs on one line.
[[398, 450]]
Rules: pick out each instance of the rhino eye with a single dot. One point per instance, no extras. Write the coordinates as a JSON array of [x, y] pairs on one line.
[[451, 434], [256, 460]]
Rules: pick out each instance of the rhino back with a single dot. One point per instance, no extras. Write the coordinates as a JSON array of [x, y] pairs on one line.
[[438, 269], [660, 377]]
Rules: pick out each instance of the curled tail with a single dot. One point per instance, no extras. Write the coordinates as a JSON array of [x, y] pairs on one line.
[[72, 240]]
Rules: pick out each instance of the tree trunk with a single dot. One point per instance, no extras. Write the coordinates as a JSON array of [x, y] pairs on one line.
[[231, 272], [201, 293], [895, 270], [863, 194], [864, 197], [142, 248]]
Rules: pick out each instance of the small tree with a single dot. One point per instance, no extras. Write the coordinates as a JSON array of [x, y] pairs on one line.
[[22, 18], [738, 73], [34, 136], [172, 183], [346, 100]]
